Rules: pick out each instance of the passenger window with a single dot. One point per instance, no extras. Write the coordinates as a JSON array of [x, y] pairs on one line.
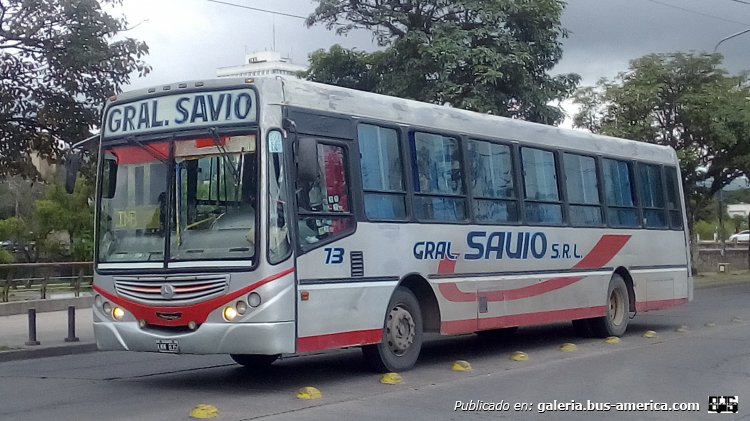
[[618, 176], [652, 196], [382, 172], [491, 182], [438, 179], [324, 203], [542, 198], [583, 190], [674, 207]]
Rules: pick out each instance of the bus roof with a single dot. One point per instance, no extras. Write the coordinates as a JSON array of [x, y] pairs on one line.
[[284, 90]]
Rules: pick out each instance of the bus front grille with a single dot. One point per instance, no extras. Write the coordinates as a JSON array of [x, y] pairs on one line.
[[171, 290]]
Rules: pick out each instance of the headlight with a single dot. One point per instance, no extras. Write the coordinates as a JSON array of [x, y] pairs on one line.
[[230, 313]]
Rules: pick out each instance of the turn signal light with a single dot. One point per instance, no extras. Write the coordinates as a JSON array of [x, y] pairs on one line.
[[118, 313]]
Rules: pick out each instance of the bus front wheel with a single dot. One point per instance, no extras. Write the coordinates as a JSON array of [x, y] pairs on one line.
[[401, 342], [615, 321], [254, 361]]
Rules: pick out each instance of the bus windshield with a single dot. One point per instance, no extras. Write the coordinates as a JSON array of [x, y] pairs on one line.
[[179, 200]]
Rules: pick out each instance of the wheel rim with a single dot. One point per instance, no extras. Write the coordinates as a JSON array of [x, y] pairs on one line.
[[616, 309], [400, 330]]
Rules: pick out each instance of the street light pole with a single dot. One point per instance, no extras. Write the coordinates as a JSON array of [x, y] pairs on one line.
[[730, 37]]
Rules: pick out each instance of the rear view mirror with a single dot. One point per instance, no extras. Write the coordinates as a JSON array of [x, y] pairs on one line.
[[110, 178], [72, 165], [307, 160]]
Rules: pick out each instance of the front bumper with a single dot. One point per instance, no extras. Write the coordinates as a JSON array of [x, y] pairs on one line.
[[209, 338]]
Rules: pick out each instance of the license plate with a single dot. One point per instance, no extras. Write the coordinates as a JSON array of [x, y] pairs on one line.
[[167, 346]]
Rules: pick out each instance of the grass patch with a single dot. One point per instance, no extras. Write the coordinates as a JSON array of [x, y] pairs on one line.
[[705, 279]]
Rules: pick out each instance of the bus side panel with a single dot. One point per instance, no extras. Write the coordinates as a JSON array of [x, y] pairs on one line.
[[339, 310], [657, 289], [579, 300]]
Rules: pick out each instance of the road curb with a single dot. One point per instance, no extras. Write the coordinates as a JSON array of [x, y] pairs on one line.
[[52, 351]]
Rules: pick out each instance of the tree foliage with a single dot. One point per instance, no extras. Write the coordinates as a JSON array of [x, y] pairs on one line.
[[682, 100], [59, 61], [481, 55], [55, 216]]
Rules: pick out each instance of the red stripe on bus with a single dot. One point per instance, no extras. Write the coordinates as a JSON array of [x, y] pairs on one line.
[[605, 249], [659, 304], [338, 340], [195, 312], [472, 325]]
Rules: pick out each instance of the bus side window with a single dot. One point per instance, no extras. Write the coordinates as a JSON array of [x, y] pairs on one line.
[[382, 172], [438, 177], [583, 190], [542, 205], [652, 196], [324, 202], [492, 184], [673, 198], [618, 184]]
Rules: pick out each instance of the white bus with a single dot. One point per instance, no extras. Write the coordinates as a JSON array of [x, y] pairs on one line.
[[273, 216]]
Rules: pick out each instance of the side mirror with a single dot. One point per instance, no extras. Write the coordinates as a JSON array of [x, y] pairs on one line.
[[307, 160], [72, 165], [110, 178]]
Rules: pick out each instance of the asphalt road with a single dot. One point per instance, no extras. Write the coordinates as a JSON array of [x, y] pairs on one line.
[[674, 367]]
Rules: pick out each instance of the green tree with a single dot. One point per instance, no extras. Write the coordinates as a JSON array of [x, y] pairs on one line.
[[59, 61], [14, 230], [63, 212], [685, 101], [480, 55]]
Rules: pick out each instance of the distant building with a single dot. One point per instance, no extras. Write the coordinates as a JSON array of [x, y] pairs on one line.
[[740, 209], [262, 63]]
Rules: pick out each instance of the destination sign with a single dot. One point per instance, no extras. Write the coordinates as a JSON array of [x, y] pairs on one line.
[[189, 110]]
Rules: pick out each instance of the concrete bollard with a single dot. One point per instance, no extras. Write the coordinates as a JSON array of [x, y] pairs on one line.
[[71, 325], [32, 328]]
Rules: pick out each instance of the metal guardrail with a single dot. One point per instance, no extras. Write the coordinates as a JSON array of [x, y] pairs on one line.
[[23, 281]]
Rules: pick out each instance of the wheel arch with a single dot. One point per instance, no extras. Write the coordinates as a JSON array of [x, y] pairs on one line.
[[629, 283], [430, 309]]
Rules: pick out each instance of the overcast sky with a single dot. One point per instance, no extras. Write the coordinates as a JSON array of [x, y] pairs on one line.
[[189, 39]]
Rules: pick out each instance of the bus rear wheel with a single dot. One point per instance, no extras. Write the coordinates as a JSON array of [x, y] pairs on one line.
[[401, 342], [254, 361], [615, 322]]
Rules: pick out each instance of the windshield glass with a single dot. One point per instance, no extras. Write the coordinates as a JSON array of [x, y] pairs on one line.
[[194, 199]]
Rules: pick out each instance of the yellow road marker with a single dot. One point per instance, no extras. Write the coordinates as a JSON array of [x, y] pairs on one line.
[[710, 324], [682, 328], [390, 378], [736, 319], [309, 392], [519, 356], [612, 340], [568, 347], [204, 411], [649, 334], [461, 365]]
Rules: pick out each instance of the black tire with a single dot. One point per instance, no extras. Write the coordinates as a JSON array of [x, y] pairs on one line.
[[497, 334], [582, 328], [615, 322], [401, 343], [254, 361]]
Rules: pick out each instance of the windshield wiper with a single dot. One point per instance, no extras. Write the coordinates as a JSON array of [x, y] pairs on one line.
[[217, 141], [155, 154], [235, 173]]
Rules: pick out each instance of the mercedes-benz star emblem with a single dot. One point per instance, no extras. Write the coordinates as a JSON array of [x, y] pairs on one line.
[[167, 291]]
